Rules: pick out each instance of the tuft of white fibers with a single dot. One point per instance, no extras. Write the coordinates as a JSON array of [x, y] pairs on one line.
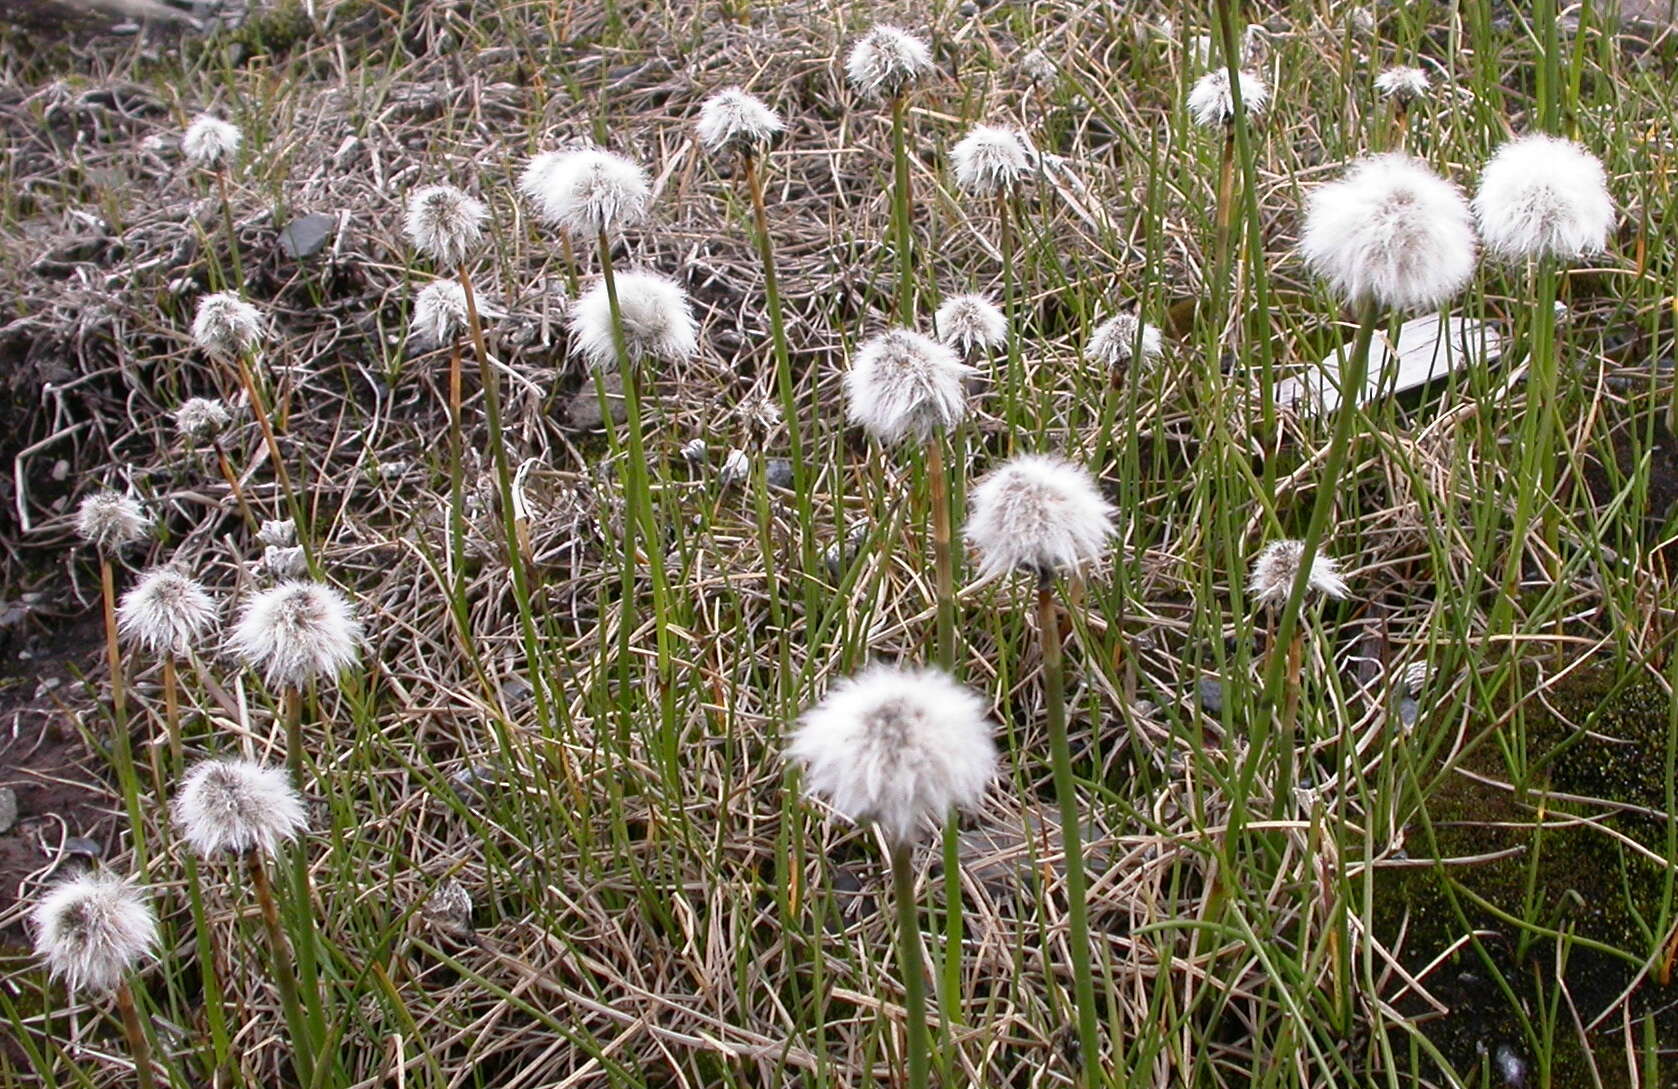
[[235, 805], [897, 746], [440, 312], [200, 418], [968, 322], [166, 612], [990, 160], [281, 562], [296, 632], [1390, 232], [93, 929], [588, 192], [110, 520], [658, 322], [1542, 196], [226, 325], [1116, 341], [1278, 565], [1212, 105], [210, 142], [449, 908], [1401, 84], [444, 224], [734, 120], [277, 531], [736, 467], [1039, 513], [904, 385], [887, 61]]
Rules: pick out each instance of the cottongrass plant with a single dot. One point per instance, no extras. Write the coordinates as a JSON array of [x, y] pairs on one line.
[[1045, 515], [212, 144], [971, 324], [167, 614], [204, 420], [1216, 102], [992, 163], [885, 65], [1403, 87], [1278, 565], [94, 931], [901, 748]]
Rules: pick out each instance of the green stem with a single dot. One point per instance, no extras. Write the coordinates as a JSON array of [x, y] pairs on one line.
[[121, 743], [918, 1046], [902, 200], [302, 903], [279, 961], [1010, 308], [1537, 427]]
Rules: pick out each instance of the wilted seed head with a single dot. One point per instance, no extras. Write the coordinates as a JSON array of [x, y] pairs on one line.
[[588, 192], [1212, 105], [1122, 338], [110, 520], [296, 632], [440, 312], [887, 61], [237, 806], [1278, 565], [210, 142], [444, 224], [280, 532], [200, 418], [449, 908], [897, 746], [733, 120], [658, 323], [1402, 85], [967, 322], [281, 562], [904, 385], [1542, 196], [1039, 67], [1390, 232], [226, 325], [990, 160], [165, 612], [736, 467], [1039, 513], [92, 930]]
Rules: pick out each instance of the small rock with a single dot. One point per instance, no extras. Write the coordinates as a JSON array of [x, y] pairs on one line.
[[778, 472], [1212, 696], [306, 236], [515, 692], [583, 409], [695, 452], [471, 783], [1409, 711], [8, 809], [83, 847]]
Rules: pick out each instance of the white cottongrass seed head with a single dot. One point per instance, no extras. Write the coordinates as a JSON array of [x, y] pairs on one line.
[[1391, 232], [296, 632], [658, 322], [110, 520], [1212, 104], [969, 323], [235, 806], [1277, 566], [1542, 196], [735, 120], [93, 929], [1039, 513], [588, 192], [200, 418], [1402, 84], [1121, 339], [897, 746], [990, 160], [226, 325], [903, 385], [166, 612], [887, 61], [445, 224], [440, 312], [210, 142]]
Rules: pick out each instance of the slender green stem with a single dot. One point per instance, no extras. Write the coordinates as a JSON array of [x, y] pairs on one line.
[[121, 743], [279, 963], [919, 1045], [902, 201], [131, 1028], [260, 410], [938, 494], [209, 968], [457, 485], [232, 230], [1537, 465], [1010, 306], [302, 883]]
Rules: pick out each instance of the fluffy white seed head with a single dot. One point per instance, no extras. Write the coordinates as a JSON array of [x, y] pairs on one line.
[[236, 806], [588, 192], [444, 224], [440, 312], [900, 747], [1212, 105], [903, 385], [296, 632], [226, 325], [210, 142], [989, 160], [887, 61], [970, 322], [1401, 84], [1541, 196], [1390, 232], [166, 612], [1278, 565], [201, 418], [92, 930], [111, 520], [1117, 340], [733, 120], [1039, 513], [658, 322]]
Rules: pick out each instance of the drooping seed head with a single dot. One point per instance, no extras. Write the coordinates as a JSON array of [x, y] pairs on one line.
[[297, 632], [903, 385], [281, 562], [970, 322], [887, 61], [658, 322], [280, 532], [449, 908], [166, 612], [990, 160], [110, 521], [92, 930], [733, 120], [210, 143], [444, 224], [201, 418], [588, 192], [900, 747], [1277, 566], [1212, 104], [235, 805], [1401, 84], [226, 325], [1039, 513], [1542, 196], [1123, 338], [440, 312]]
